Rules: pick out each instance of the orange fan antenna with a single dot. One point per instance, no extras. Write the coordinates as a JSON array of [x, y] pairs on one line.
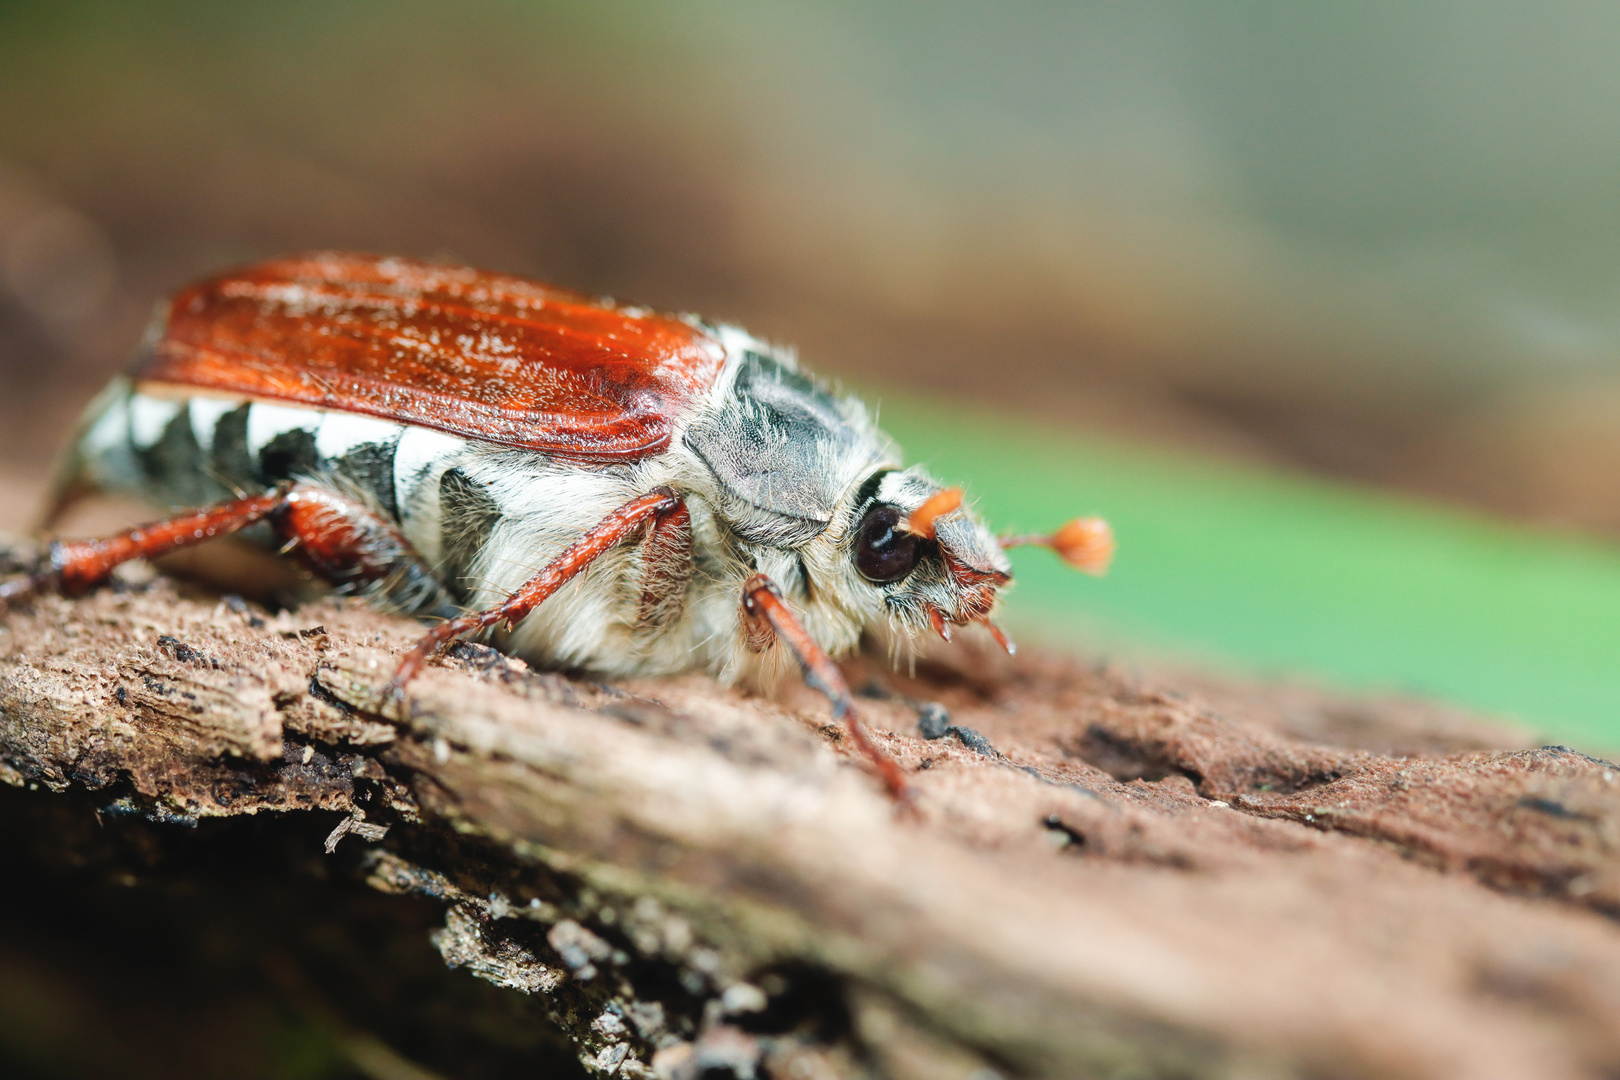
[[1085, 543], [921, 521]]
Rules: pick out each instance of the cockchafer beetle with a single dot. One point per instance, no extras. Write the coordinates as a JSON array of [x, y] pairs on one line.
[[457, 443]]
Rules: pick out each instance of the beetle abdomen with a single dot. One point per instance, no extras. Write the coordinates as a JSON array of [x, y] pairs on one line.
[[193, 450], [183, 451]]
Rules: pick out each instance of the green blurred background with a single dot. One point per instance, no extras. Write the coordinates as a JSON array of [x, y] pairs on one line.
[[1318, 302]]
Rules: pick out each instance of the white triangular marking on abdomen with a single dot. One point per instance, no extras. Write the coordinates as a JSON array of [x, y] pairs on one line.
[[342, 432]]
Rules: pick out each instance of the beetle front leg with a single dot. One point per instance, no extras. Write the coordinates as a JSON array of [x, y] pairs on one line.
[[762, 603], [603, 537]]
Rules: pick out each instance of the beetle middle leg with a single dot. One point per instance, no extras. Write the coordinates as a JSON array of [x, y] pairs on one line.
[[612, 530], [667, 568], [768, 615], [349, 545]]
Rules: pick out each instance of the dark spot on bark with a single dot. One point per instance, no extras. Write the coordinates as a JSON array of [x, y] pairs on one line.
[[973, 741], [238, 606], [179, 650], [321, 693], [1553, 808], [933, 721], [800, 998], [1068, 836], [1121, 757]]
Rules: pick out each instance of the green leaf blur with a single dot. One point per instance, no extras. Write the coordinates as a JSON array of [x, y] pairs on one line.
[[1275, 572]]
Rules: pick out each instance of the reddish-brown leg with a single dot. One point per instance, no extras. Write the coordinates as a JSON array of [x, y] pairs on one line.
[[78, 565], [611, 531], [343, 541], [666, 568], [337, 537], [348, 544], [762, 600]]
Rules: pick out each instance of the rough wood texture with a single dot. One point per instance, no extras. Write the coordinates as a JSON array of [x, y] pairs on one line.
[[1103, 877]]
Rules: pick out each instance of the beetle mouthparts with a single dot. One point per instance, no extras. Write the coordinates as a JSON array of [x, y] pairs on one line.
[[1007, 644], [921, 521]]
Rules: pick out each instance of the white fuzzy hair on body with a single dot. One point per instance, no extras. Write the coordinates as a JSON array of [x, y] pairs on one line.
[[594, 622], [591, 623]]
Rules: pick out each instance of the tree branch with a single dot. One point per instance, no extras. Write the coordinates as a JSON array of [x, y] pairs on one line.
[[1104, 877]]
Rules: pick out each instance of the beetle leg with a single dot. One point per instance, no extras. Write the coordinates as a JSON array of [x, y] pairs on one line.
[[667, 568], [1007, 644], [340, 539], [921, 522], [348, 544], [78, 565], [762, 602], [603, 537]]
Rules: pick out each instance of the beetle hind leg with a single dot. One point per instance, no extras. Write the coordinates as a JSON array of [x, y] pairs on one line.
[[337, 537], [76, 566], [356, 549]]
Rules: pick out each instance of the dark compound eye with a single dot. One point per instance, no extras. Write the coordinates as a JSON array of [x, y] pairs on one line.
[[882, 552]]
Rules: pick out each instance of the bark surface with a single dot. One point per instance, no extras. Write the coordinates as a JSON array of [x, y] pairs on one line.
[[1104, 874]]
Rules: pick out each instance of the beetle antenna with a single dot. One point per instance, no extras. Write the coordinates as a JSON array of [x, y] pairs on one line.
[[1086, 544], [921, 521]]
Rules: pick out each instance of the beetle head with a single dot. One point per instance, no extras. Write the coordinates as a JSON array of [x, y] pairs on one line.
[[808, 486], [929, 562]]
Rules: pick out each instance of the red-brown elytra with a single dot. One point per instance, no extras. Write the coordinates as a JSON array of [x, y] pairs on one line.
[[457, 443]]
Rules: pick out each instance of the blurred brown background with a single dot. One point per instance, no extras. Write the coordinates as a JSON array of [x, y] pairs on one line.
[[1377, 240]]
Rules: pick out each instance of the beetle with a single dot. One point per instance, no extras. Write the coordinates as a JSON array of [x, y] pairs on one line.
[[456, 443]]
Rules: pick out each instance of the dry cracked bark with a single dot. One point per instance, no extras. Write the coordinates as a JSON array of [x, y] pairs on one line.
[[1104, 877]]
